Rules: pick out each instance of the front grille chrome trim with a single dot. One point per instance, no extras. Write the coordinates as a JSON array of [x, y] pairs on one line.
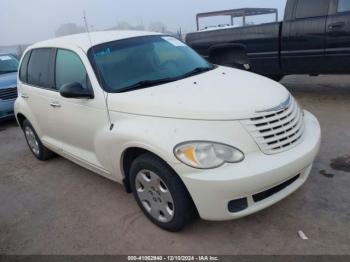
[[278, 131]]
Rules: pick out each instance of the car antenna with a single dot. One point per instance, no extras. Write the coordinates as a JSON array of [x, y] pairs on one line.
[[98, 70]]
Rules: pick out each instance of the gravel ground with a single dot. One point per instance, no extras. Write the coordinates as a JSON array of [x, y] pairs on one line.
[[57, 207]]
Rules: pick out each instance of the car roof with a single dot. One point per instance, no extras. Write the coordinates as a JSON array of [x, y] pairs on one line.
[[83, 40]]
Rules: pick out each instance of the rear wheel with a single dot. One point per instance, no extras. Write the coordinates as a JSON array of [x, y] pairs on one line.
[[36, 147], [276, 78], [160, 193], [231, 57]]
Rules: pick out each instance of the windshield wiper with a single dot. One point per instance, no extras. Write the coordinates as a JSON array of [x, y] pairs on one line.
[[197, 71], [147, 83]]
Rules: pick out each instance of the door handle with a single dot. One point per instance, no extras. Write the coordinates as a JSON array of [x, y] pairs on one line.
[[336, 25], [55, 104], [25, 96]]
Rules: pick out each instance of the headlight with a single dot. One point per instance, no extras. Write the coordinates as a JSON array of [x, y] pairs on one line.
[[300, 107], [207, 155]]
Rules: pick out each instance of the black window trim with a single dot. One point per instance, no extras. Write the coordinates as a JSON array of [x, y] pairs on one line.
[[88, 82], [52, 69], [24, 66], [50, 72]]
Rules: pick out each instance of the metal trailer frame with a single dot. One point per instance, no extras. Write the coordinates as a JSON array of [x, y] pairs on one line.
[[242, 12]]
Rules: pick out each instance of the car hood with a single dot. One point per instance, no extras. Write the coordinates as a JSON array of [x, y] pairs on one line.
[[220, 94], [8, 80]]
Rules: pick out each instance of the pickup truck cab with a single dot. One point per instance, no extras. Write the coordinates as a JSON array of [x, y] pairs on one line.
[[314, 38], [186, 137]]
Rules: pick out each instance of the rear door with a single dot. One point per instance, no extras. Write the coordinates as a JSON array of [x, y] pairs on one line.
[[37, 92], [338, 37], [304, 37]]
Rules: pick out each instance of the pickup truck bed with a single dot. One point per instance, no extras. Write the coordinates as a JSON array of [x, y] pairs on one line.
[[260, 42]]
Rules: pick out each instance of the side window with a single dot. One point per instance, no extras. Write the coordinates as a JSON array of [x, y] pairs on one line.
[[24, 67], [38, 68], [69, 68], [343, 6], [312, 8]]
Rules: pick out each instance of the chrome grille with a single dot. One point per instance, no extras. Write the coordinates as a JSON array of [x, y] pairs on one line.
[[277, 131], [8, 93]]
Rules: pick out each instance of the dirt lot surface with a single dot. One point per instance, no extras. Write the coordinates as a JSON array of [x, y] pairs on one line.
[[57, 207]]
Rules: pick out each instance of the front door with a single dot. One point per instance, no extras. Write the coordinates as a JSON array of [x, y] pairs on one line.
[[338, 38], [79, 122], [304, 38]]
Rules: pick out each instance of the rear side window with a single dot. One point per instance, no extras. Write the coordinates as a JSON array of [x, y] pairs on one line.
[[343, 6], [312, 8], [69, 69], [24, 67], [39, 68]]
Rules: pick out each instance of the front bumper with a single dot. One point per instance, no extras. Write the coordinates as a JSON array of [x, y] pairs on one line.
[[212, 190], [6, 109]]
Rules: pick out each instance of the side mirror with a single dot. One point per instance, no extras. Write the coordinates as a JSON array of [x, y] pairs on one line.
[[76, 90]]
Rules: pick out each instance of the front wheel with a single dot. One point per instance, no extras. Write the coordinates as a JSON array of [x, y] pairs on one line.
[[160, 193]]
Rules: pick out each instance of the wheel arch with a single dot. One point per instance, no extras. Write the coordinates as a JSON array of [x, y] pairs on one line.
[[20, 119], [229, 54], [127, 157], [130, 154]]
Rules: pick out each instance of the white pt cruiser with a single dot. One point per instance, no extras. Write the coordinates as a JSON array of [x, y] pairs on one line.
[[186, 137]]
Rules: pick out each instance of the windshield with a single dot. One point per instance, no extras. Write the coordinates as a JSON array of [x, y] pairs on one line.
[[142, 62], [8, 64]]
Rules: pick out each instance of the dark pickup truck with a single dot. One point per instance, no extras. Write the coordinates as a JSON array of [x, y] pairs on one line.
[[313, 39]]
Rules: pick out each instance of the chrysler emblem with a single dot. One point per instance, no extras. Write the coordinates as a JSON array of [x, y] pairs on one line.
[[280, 107]]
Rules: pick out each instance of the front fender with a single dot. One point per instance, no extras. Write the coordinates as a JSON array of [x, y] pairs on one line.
[[160, 136], [138, 132]]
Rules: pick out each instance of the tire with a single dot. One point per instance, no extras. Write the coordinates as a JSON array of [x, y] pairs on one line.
[[276, 78], [237, 66], [245, 67], [231, 57], [36, 147], [160, 193]]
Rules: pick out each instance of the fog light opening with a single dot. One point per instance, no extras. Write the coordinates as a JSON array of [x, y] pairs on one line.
[[237, 205]]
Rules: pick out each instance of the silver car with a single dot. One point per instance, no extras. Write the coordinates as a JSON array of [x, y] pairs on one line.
[[8, 85]]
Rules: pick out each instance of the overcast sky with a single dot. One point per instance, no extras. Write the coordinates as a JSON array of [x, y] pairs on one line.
[[28, 21]]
